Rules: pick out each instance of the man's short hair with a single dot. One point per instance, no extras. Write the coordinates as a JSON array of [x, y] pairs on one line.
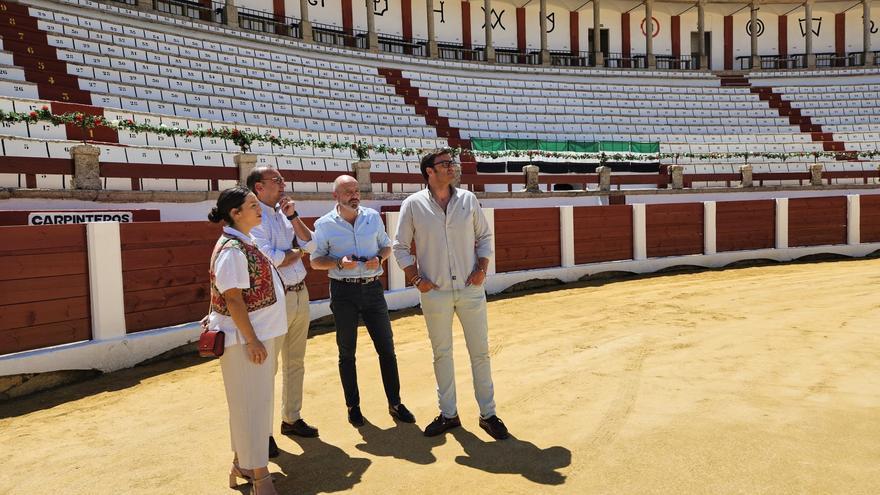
[[428, 161], [255, 176]]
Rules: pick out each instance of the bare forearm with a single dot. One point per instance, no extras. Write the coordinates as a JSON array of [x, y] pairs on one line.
[[301, 230], [323, 262], [410, 272], [483, 263], [385, 253]]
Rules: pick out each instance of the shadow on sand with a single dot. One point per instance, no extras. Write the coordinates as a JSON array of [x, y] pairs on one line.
[[513, 456], [321, 468], [403, 441]]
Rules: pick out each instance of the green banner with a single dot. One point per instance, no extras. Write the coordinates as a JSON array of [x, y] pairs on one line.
[[490, 145]]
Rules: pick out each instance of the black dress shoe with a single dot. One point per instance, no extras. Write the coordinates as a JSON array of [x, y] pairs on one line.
[[299, 428], [273, 448], [494, 427], [401, 413], [355, 417], [440, 424]]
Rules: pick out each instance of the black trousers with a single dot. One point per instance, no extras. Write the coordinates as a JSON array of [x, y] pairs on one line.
[[350, 302]]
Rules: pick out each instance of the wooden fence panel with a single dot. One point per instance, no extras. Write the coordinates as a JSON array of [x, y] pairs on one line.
[[165, 272], [745, 225], [526, 238], [603, 233], [674, 229], [870, 218], [44, 287], [816, 221]]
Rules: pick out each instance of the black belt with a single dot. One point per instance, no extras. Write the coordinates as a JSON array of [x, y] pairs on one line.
[[295, 288], [363, 280]]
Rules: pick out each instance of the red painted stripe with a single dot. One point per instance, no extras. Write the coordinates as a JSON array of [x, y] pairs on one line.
[[465, 24], [783, 36], [840, 34], [675, 26], [625, 45], [407, 25], [521, 29], [574, 34], [278, 9], [728, 42], [347, 16]]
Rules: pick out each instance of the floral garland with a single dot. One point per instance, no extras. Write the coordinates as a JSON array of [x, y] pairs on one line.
[[362, 149]]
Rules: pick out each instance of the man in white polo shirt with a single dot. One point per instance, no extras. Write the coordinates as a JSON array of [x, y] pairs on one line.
[[282, 237], [453, 245]]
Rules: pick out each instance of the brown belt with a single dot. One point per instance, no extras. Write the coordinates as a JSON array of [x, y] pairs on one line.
[[365, 280], [295, 288]]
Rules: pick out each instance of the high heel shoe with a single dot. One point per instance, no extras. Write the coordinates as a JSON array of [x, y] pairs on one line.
[[236, 472], [265, 484]]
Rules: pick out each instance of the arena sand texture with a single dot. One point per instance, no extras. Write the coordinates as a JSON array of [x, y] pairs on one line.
[[751, 380]]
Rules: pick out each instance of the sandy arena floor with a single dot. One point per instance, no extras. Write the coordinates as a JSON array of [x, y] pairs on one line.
[[753, 380]]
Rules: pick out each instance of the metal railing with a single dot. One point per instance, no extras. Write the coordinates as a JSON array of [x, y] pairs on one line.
[[332, 35], [265, 22], [516, 57], [568, 59], [833, 60], [619, 61], [193, 10], [126, 2], [398, 44], [447, 51], [681, 62]]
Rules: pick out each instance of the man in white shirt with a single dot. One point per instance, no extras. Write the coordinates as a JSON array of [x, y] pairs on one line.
[[453, 245], [283, 237]]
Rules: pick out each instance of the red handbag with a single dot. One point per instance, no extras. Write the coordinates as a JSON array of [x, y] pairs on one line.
[[212, 343]]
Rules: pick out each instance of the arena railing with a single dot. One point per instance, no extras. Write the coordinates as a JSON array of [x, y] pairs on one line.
[[390, 43], [334, 35], [619, 61], [682, 62], [126, 2], [513, 56], [265, 22], [215, 13], [449, 51], [568, 59]]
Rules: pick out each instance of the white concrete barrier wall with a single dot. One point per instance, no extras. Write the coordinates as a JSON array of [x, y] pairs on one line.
[[113, 349]]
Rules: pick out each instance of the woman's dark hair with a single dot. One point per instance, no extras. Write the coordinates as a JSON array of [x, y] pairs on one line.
[[229, 200]]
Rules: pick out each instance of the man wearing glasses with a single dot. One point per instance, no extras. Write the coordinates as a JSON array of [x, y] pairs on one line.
[[282, 237], [351, 242], [453, 245]]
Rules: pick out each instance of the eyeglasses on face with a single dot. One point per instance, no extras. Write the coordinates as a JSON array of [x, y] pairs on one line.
[[277, 180], [444, 164]]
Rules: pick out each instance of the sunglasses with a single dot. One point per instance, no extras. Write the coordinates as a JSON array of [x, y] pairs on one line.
[[277, 180], [444, 164]]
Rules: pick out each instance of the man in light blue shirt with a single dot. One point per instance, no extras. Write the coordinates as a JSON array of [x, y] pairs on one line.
[[351, 243]]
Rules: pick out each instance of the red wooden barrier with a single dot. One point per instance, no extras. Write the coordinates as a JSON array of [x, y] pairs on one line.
[[870, 218], [674, 229], [165, 272], [744, 225], [816, 221], [526, 238], [602, 233], [44, 287]]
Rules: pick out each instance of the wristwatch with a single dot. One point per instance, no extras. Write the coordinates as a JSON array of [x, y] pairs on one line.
[[295, 215]]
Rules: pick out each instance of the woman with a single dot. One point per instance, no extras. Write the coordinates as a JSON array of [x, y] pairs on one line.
[[247, 303]]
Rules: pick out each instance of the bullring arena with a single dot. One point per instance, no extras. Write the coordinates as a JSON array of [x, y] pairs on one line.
[[683, 198]]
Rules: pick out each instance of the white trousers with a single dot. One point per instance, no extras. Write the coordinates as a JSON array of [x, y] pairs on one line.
[[470, 306], [250, 393], [292, 347]]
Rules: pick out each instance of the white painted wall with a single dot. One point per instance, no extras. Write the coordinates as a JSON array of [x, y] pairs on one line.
[[326, 12], [448, 25], [391, 20], [608, 19], [359, 14], [558, 38], [663, 39], [822, 43], [261, 5], [291, 9], [854, 28], [502, 37]]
